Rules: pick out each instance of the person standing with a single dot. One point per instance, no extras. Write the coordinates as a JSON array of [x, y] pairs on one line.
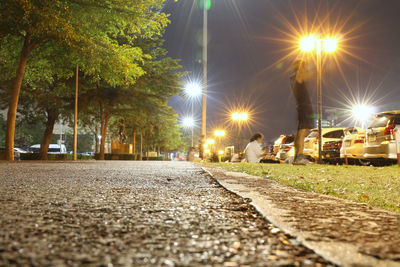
[[253, 151], [304, 110]]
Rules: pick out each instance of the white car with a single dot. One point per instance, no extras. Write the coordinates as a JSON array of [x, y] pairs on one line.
[[353, 145], [328, 134], [53, 149], [380, 145]]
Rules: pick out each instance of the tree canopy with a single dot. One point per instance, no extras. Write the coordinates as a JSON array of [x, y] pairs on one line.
[[116, 44]]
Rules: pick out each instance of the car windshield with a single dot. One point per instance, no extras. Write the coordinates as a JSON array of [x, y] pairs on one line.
[[351, 131], [334, 134], [54, 150], [396, 120], [313, 134], [379, 122], [289, 139]]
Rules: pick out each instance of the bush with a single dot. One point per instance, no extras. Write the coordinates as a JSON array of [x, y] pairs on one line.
[[35, 156], [154, 158], [118, 156], [79, 157]]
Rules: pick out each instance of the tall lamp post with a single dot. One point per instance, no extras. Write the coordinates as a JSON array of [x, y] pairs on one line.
[[239, 117], [218, 135], [192, 90], [188, 122], [204, 99], [328, 45]]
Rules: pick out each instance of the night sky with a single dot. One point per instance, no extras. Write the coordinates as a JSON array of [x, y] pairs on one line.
[[252, 44]]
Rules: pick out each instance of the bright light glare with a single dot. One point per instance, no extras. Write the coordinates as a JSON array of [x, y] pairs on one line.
[[219, 133], [221, 152], [362, 112], [188, 122], [329, 45], [193, 89], [307, 44], [210, 141], [207, 151], [239, 116]]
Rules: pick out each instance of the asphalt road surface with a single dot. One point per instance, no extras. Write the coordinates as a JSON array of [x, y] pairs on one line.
[[133, 214]]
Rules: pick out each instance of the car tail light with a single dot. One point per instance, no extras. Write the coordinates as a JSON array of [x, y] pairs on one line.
[[286, 149], [389, 132], [359, 141]]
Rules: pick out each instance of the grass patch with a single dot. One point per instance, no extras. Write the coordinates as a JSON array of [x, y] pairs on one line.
[[376, 186]]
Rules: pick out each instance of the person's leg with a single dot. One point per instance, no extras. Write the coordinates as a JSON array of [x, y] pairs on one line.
[[299, 141], [299, 158]]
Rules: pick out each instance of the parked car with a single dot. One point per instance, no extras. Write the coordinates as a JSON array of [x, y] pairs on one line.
[[328, 134], [380, 140], [286, 152], [53, 149], [353, 146], [20, 150], [282, 140], [17, 153], [331, 152]]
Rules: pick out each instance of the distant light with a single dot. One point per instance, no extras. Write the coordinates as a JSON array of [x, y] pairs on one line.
[[239, 116], [219, 133], [329, 45], [210, 141], [193, 89], [221, 152], [362, 112], [206, 151], [188, 122], [307, 44], [205, 146]]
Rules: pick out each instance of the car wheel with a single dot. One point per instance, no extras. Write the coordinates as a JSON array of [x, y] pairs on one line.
[[364, 162]]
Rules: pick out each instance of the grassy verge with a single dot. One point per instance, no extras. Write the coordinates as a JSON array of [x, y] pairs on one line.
[[376, 186]]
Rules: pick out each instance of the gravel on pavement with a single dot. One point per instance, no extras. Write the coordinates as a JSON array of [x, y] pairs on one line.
[[118, 213]]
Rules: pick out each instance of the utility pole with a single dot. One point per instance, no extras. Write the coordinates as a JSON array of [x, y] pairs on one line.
[[76, 114], [319, 97], [204, 97]]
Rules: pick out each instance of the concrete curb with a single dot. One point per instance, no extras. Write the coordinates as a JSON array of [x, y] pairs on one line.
[[340, 253]]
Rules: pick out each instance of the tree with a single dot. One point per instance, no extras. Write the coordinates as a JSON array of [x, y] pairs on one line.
[[150, 92], [87, 26], [47, 90]]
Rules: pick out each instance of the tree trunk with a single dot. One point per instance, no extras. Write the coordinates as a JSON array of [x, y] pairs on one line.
[[13, 103], [134, 141], [148, 151], [44, 145], [103, 130], [96, 151], [141, 146], [158, 151]]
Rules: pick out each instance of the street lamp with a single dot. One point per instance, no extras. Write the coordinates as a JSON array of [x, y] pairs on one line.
[[210, 142], [188, 122], [328, 45], [239, 117], [219, 133], [192, 90]]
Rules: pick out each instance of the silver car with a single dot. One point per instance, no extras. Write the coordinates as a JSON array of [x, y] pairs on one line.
[[380, 139]]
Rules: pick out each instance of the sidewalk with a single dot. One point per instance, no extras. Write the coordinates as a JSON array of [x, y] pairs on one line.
[[344, 232]]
